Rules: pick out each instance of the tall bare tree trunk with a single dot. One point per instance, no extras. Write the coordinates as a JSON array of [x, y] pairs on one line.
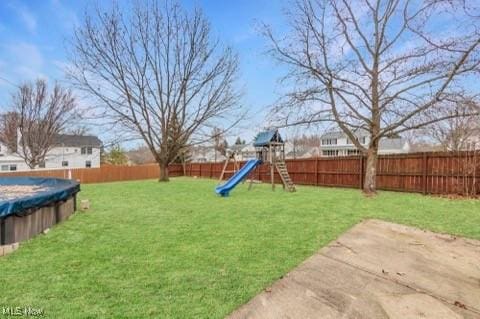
[[163, 172], [184, 167], [369, 184]]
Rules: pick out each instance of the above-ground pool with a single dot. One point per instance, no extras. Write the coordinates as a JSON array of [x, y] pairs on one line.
[[29, 205]]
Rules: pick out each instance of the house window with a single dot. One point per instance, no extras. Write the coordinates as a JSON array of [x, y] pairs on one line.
[[329, 141], [353, 152], [330, 153], [64, 163], [13, 167], [5, 167], [361, 140], [86, 150], [41, 165], [88, 164]]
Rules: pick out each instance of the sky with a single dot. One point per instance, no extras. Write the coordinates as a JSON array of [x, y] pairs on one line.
[[35, 38]]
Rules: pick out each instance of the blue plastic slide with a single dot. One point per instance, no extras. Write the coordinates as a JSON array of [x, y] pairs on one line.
[[225, 189]]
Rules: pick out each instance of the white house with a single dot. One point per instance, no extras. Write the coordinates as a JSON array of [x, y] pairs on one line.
[[244, 152], [338, 144], [69, 151], [205, 154]]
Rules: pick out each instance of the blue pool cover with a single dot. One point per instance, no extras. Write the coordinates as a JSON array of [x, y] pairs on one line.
[[43, 191]]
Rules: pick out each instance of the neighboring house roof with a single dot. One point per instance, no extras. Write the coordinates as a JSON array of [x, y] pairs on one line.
[[335, 134], [76, 140], [340, 134], [264, 138]]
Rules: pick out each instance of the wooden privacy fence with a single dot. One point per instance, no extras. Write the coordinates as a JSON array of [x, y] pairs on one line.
[[427, 173], [103, 174]]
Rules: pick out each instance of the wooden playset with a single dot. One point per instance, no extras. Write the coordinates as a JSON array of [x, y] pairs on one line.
[[270, 150], [230, 158]]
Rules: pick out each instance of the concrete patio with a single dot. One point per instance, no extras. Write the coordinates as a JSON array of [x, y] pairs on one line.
[[378, 270]]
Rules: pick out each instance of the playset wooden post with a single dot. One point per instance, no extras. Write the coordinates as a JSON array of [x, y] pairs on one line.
[[230, 157]]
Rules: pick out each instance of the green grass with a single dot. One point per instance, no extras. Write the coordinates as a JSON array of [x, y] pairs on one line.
[[177, 250]]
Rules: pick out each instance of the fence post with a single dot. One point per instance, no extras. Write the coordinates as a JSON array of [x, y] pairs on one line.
[[424, 169], [316, 171], [211, 170], [258, 171], [362, 173]]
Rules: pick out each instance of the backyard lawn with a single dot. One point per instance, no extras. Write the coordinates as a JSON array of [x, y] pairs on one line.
[[177, 250]]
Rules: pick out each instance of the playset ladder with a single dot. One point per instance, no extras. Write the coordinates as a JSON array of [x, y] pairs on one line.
[[286, 180]]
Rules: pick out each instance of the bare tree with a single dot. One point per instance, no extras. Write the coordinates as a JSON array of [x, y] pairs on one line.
[[158, 72], [304, 143], [456, 132], [78, 130], [184, 156], [220, 144], [140, 155], [38, 115], [375, 65], [9, 130]]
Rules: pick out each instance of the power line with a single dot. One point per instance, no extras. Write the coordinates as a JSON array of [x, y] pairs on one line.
[[9, 82]]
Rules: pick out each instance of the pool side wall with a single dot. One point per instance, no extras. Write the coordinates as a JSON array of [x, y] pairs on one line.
[[15, 229]]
